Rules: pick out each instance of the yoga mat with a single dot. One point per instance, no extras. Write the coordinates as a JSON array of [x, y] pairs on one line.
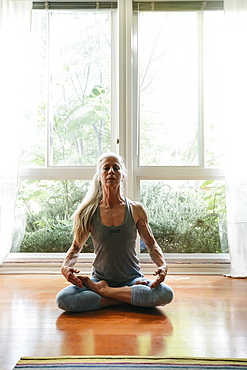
[[129, 363]]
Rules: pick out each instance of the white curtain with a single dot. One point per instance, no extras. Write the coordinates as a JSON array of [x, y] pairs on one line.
[[15, 21], [236, 133]]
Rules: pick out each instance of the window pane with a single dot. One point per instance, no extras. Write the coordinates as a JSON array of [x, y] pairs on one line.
[[168, 88], [80, 69], [43, 216], [70, 89], [186, 216], [213, 83]]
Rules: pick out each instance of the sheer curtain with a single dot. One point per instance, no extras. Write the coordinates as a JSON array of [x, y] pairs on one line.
[[15, 21], [236, 133]]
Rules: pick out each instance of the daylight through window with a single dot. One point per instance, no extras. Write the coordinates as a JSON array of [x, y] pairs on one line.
[[162, 67]]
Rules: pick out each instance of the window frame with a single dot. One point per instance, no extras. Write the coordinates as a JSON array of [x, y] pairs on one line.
[[199, 172], [54, 172], [125, 141]]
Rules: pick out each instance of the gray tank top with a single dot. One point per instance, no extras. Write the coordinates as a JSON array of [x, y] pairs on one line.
[[115, 249]]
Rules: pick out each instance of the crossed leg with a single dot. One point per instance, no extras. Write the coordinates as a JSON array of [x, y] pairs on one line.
[[112, 295], [98, 294]]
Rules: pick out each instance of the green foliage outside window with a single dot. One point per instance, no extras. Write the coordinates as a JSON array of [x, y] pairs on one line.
[[189, 218], [47, 207]]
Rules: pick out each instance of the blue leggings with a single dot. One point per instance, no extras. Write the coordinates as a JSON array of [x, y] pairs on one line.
[[75, 299]]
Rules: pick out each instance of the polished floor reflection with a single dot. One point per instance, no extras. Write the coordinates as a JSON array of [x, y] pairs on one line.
[[208, 317]]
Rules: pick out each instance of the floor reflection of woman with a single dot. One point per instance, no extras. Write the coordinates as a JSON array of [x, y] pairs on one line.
[[113, 222], [101, 337]]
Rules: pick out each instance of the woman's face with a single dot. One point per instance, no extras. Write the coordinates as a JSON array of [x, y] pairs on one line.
[[111, 172]]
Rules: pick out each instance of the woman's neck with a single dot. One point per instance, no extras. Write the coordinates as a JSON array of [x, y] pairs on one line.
[[111, 198]]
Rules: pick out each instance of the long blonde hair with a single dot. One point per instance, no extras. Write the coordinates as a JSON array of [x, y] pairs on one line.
[[86, 209]]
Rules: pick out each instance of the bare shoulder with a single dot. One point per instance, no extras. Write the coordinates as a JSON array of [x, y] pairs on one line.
[[138, 210], [136, 205]]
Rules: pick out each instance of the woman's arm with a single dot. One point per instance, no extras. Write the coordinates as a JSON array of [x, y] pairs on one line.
[[70, 260], [146, 235]]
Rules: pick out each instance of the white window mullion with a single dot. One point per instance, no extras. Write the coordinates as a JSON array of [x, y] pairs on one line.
[[136, 99], [136, 116], [49, 134], [201, 150], [125, 89], [121, 76], [114, 84]]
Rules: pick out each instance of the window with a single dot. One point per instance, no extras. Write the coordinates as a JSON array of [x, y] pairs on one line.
[[168, 89], [180, 126], [44, 224], [68, 125], [187, 216], [69, 121], [181, 88], [148, 80]]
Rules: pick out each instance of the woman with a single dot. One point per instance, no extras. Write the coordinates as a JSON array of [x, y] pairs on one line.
[[113, 222]]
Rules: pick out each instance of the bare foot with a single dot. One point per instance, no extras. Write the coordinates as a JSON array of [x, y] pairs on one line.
[[100, 288]]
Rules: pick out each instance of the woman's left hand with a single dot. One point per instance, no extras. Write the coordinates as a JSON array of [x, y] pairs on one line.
[[161, 273]]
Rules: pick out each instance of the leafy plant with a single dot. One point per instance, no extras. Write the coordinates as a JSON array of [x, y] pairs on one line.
[[48, 207], [189, 218]]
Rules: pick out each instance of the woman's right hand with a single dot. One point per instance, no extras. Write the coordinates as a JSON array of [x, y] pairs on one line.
[[69, 274]]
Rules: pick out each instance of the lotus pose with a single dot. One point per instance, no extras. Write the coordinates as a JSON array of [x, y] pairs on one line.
[[113, 222]]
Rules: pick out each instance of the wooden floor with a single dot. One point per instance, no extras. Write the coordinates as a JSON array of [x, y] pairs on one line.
[[208, 317]]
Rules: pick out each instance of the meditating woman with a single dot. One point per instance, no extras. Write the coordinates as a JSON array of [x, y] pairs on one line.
[[113, 222]]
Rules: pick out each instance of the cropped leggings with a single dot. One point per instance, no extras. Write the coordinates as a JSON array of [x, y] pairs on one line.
[[75, 299]]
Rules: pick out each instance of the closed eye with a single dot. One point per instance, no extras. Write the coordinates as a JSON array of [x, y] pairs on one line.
[[115, 168]]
